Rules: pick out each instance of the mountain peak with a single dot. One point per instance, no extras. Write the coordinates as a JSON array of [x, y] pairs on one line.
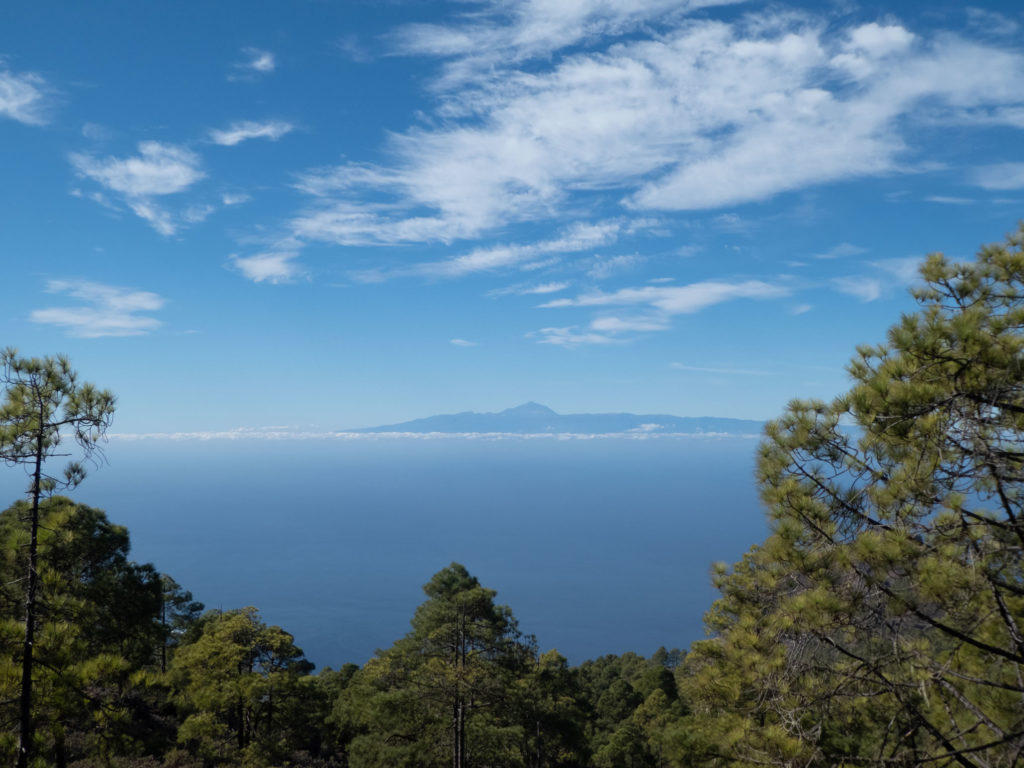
[[535, 419], [530, 409]]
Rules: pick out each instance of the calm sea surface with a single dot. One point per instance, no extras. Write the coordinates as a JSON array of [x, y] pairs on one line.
[[598, 546]]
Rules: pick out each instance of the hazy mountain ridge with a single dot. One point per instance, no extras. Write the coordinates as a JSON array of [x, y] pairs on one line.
[[534, 418]]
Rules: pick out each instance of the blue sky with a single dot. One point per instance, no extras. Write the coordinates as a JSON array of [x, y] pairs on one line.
[[320, 215]]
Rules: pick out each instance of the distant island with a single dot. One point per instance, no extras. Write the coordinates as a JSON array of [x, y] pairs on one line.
[[534, 418]]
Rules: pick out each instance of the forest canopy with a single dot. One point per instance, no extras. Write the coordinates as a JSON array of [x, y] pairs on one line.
[[880, 623]]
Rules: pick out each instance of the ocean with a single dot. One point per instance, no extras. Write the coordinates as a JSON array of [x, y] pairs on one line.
[[597, 545]]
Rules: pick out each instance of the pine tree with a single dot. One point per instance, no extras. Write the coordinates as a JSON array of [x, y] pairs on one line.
[[883, 620], [443, 694], [43, 405]]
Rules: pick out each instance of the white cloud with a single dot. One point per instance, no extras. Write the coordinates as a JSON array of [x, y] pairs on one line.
[[161, 220], [991, 22], [106, 310], [864, 288], [197, 213], [613, 324], [348, 223], [545, 288], [235, 198], [841, 251], [274, 267], [577, 237], [242, 130], [905, 270], [22, 97], [502, 33], [1009, 116], [464, 343], [261, 61], [354, 49], [646, 428], [707, 114], [158, 169], [523, 289], [948, 200], [897, 273], [96, 197], [731, 222], [660, 303], [676, 299], [256, 62], [603, 267], [571, 336], [801, 309], [96, 132], [1000, 176], [868, 46]]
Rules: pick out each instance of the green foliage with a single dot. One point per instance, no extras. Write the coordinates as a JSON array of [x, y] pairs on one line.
[[179, 617], [632, 703], [442, 695], [97, 628], [244, 690], [883, 620], [552, 713], [43, 403]]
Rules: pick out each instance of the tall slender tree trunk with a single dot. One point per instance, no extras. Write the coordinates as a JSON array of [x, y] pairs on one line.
[[163, 624], [27, 729], [459, 715]]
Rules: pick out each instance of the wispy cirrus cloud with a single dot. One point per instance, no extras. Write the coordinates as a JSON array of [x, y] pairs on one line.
[[991, 22], [603, 267], [889, 275], [706, 115], [498, 34], [243, 130], [905, 270], [529, 289], [464, 343], [841, 251], [103, 310], [650, 308], [616, 324], [577, 237], [602, 330], [157, 170], [676, 299], [949, 200], [864, 288], [23, 97]]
